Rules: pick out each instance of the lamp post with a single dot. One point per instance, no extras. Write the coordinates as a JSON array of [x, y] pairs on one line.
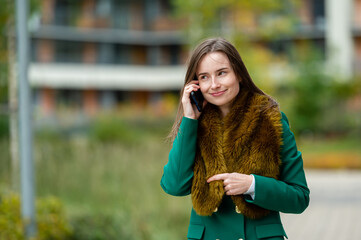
[[25, 123]]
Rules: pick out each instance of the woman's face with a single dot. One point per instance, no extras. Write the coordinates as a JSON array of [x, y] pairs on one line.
[[217, 80]]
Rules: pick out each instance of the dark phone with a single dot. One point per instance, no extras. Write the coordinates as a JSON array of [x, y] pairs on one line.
[[197, 99]]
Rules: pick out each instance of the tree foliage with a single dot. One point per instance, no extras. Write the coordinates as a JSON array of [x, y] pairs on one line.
[[5, 17], [314, 98], [7, 29], [51, 220], [249, 25], [237, 20], [318, 98]]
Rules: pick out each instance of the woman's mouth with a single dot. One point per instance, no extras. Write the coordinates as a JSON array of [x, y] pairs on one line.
[[216, 94]]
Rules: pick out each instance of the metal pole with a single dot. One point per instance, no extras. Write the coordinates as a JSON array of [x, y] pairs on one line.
[[25, 125]]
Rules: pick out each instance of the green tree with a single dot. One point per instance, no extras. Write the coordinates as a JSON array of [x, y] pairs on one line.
[[249, 25], [317, 99], [298, 75], [50, 215], [240, 20], [8, 81], [310, 88], [7, 27]]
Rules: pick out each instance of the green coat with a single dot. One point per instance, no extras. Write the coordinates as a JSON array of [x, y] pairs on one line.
[[289, 194]]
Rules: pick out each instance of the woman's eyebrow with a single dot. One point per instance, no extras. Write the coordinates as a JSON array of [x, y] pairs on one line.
[[221, 69], [218, 70]]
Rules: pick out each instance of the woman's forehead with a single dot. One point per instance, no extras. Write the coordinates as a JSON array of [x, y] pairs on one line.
[[212, 62]]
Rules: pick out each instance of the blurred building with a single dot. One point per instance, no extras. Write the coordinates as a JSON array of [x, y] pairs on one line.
[[92, 54]]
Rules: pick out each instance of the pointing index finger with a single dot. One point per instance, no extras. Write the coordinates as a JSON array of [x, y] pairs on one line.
[[216, 177]]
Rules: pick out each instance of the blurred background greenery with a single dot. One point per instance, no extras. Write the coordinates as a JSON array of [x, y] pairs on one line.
[[98, 167]]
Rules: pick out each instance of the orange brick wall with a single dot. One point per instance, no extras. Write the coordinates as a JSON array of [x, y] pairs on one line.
[[47, 96], [357, 57], [139, 55], [357, 13], [47, 10], [90, 101], [140, 98], [305, 12], [45, 50], [89, 53], [136, 21], [358, 47], [87, 19]]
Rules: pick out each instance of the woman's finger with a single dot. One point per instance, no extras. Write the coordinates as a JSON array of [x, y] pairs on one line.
[[216, 177], [189, 110], [192, 87], [192, 83]]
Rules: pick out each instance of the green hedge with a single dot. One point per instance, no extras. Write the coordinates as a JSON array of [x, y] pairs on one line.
[[4, 126], [50, 218], [52, 223], [96, 226]]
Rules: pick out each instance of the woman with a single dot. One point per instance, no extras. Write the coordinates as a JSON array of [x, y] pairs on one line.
[[237, 157]]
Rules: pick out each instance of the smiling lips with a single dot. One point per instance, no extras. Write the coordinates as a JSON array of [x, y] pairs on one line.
[[216, 94]]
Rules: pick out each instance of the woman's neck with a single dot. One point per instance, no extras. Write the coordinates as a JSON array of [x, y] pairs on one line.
[[224, 110]]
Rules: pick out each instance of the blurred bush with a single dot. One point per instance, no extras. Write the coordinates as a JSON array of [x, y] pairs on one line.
[[50, 218], [53, 225], [11, 226], [317, 102], [309, 90], [101, 227], [4, 126], [321, 106], [110, 128], [129, 129]]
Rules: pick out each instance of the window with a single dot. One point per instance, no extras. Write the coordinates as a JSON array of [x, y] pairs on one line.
[[318, 13], [66, 12], [103, 8], [106, 53], [68, 51], [121, 15], [70, 98], [122, 54]]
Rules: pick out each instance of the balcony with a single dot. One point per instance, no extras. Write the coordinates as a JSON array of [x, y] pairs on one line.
[[122, 77], [134, 37]]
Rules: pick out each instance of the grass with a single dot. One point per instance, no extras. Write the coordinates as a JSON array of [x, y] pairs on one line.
[[108, 175], [332, 153], [112, 177], [320, 146], [115, 178]]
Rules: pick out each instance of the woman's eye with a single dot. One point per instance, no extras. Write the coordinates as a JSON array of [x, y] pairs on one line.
[[222, 72], [203, 77]]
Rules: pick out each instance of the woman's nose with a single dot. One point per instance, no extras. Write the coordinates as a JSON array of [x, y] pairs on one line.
[[215, 83]]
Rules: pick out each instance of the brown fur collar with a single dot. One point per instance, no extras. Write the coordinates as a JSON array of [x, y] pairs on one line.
[[246, 141]]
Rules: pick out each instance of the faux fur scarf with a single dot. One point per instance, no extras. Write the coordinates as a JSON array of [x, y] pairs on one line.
[[246, 141]]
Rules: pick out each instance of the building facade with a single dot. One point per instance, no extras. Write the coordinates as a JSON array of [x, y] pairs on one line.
[[92, 54]]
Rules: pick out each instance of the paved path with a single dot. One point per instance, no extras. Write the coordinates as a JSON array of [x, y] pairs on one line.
[[334, 211]]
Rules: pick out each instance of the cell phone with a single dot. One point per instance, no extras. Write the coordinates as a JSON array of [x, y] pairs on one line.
[[197, 99]]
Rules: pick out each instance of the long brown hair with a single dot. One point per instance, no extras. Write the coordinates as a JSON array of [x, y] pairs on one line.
[[240, 70]]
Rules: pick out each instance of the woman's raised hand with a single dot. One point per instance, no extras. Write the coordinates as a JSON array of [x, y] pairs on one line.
[[189, 109]]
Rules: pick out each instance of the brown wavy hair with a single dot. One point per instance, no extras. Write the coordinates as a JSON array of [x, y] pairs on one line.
[[240, 70]]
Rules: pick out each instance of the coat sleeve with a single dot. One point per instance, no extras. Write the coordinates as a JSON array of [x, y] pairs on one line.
[[290, 193], [178, 172]]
